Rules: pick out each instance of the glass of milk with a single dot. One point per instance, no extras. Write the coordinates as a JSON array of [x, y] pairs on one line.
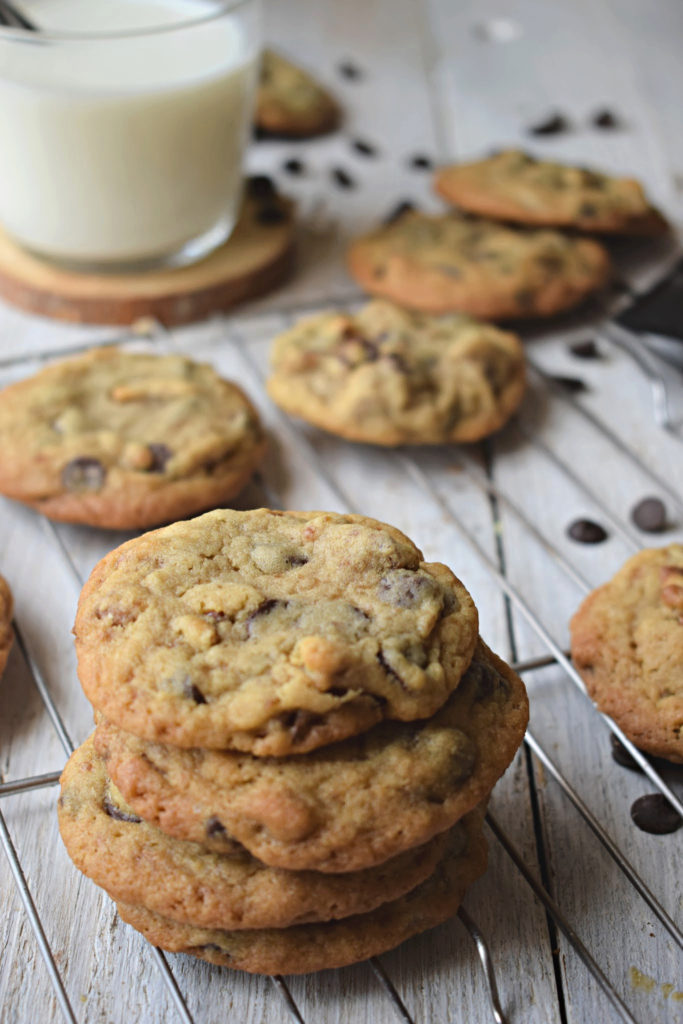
[[123, 126]]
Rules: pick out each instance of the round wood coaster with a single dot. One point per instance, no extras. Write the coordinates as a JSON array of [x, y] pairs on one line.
[[255, 258]]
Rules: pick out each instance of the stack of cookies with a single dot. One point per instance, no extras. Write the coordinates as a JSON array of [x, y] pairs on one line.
[[298, 728]]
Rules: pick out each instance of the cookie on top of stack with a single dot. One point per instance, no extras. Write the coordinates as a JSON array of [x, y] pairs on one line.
[[298, 728]]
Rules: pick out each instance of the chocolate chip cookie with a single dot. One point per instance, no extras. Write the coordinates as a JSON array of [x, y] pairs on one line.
[[388, 376], [137, 863], [341, 808], [314, 947], [290, 102], [274, 632], [6, 635], [122, 439], [627, 643], [456, 263], [514, 186]]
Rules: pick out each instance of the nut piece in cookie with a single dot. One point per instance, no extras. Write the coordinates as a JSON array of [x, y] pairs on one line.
[[274, 632], [388, 376], [627, 643], [289, 102], [455, 263], [6, 635], [125, 440], [514, 186], [314, 947], [344, 807]]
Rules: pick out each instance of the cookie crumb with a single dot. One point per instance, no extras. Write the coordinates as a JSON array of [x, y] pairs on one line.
[[347, 69]]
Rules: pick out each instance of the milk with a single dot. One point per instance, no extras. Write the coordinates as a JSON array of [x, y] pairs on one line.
[[123, 149]]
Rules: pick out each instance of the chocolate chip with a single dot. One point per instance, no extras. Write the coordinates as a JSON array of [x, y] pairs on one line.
[[621, 755], [120, 815], [606, 118], [299, 723], [342, 178], [259, 612], [553, 125], [363, 147], [388, 669], [585, 349], [405, 589], [271, 214], [420, 162], [585, 531], [349, 70], [649, 515], [653, 813], [193, 692], [160, 453], [485, 678], [83, 474], [294, 561], [572, 384], [397, 212], [215, 827], [260, 186], [294, 166]]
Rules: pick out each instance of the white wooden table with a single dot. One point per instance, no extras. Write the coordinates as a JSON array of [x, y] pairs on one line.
[[444, 78]]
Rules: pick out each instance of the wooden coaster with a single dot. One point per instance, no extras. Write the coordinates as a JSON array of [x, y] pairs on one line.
[[255, 258]]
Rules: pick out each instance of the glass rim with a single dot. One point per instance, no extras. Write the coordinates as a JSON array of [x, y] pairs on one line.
[[12, 34]]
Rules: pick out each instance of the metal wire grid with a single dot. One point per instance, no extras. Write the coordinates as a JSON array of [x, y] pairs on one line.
[[555, 655]]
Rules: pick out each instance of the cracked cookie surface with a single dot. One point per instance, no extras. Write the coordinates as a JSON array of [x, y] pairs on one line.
[[512, 185], [341, 808], [6, 635], [137, 863], [627, 643], [456, 263], [122, 439], [388, 376], [289, 101], [273, 632], [314, 947]]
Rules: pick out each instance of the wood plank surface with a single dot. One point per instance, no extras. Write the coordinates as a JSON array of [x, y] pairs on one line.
[[442, 79]]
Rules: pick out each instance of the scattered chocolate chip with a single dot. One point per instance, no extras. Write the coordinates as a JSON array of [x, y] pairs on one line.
[[585, 349], [349, 70], [621, 755], [649, 515], [585, 531], [403, 207], [294, 166], [215, 827], [120, 815], [83, 474], [271, 214], [193, 692], [342, 178], [553, 125], [572, 384], [653, 813], [420, 162], [363, 147], [161, 453], [260, 186], [605, 118]]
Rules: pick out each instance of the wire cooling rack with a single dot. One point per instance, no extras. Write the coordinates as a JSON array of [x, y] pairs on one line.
[[515, 485]]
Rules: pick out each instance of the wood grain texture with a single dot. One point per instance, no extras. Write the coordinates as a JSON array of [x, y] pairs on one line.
[[433, 82]]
